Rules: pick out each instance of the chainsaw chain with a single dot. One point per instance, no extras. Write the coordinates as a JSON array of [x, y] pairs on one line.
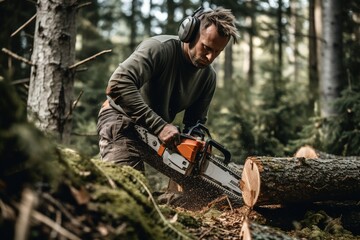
[[228, 192]]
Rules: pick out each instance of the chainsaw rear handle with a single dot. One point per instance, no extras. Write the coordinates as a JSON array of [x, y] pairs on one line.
[[212, 143]]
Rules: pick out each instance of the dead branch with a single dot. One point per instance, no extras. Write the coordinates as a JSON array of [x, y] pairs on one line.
[[14, 55], [20, 81], [73, 106], [28, 202], [56, 227], [23, 26], [89, 59], [84, 134], [63, 210], [83, 5]]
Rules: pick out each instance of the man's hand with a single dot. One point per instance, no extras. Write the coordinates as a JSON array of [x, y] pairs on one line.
[[170, 136]]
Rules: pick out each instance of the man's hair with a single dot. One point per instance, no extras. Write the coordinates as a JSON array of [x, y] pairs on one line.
[[224, 21]]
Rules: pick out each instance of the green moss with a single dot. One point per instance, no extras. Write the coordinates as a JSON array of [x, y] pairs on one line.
[[319, 226]]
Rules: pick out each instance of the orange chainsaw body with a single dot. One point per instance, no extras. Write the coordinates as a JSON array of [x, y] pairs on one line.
[[189, 148]]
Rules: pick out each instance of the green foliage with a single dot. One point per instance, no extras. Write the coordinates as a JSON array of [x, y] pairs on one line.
[[311, 134], [280, 117], [25, 153], [344, 137], [14, 14], [235, 133]]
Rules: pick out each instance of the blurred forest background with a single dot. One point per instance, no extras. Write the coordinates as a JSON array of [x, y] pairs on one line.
[[292, 80]]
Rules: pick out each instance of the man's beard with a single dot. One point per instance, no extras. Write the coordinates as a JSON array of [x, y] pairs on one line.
[[197, 62]]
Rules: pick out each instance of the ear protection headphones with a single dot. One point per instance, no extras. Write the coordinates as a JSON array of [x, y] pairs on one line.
[[190, 25]]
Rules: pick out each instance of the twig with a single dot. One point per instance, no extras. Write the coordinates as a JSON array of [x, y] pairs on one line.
[[158, 209], [14, 55], [111, 182], [73, 106], [228, 200], [19, 81], [62, 209], [206, 232], [24, 25], [54, 233], [89, 58], [83, 5], [84, 134], [56, 227], [28, 201]]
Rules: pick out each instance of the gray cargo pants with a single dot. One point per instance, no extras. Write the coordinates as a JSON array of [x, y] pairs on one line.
[[118, 140]]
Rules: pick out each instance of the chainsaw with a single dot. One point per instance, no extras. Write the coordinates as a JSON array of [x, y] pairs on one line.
[[198, 155]]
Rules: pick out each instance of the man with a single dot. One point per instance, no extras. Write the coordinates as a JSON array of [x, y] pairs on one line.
[[164, 76]]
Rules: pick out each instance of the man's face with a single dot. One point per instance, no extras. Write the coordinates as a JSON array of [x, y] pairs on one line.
[[206, 47]]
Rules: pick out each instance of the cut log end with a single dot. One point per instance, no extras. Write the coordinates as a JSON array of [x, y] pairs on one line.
[[306, 152], [245, 233], [250, 183]]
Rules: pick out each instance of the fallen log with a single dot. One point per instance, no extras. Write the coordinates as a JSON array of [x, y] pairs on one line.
[[294, 180], [285, 217], [254, 231], [310, 152]]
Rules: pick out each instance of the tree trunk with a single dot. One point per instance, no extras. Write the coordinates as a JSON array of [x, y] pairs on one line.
[[228, 68], [251, 73], [254, 231], [309, 152], [51, 81], [133, 24], [313, 60], [294, 180], [295, 7], [331, 73], [278, 216]]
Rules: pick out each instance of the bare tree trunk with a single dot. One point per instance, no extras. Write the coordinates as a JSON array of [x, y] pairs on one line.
[[133, 24], [294, 30], [171, 26], [51, 81], [279, 38], [313, 59], [228, 68], [331, 72], [252, 29], [249, 37]]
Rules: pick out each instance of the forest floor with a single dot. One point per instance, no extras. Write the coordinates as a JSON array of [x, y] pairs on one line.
[[95, 200]]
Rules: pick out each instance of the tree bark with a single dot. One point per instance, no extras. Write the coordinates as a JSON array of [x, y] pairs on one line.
[[279, 216], [331, 72], [51, 81], [254, 231], [313, 59], [309, 152], [294, 180]]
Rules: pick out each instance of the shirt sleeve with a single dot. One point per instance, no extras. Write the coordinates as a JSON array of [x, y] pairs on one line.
[[125, 83]]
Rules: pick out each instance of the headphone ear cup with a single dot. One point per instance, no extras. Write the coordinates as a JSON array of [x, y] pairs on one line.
[[188, 29]]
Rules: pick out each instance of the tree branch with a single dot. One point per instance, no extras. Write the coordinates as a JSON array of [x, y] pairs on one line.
[[24, 25], [14, 55], [26, 207], [83, 5], [56, 227], [89, 59], [73, 106]]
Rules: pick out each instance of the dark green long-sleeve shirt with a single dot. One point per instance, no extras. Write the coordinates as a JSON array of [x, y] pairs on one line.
[[157, 81]]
